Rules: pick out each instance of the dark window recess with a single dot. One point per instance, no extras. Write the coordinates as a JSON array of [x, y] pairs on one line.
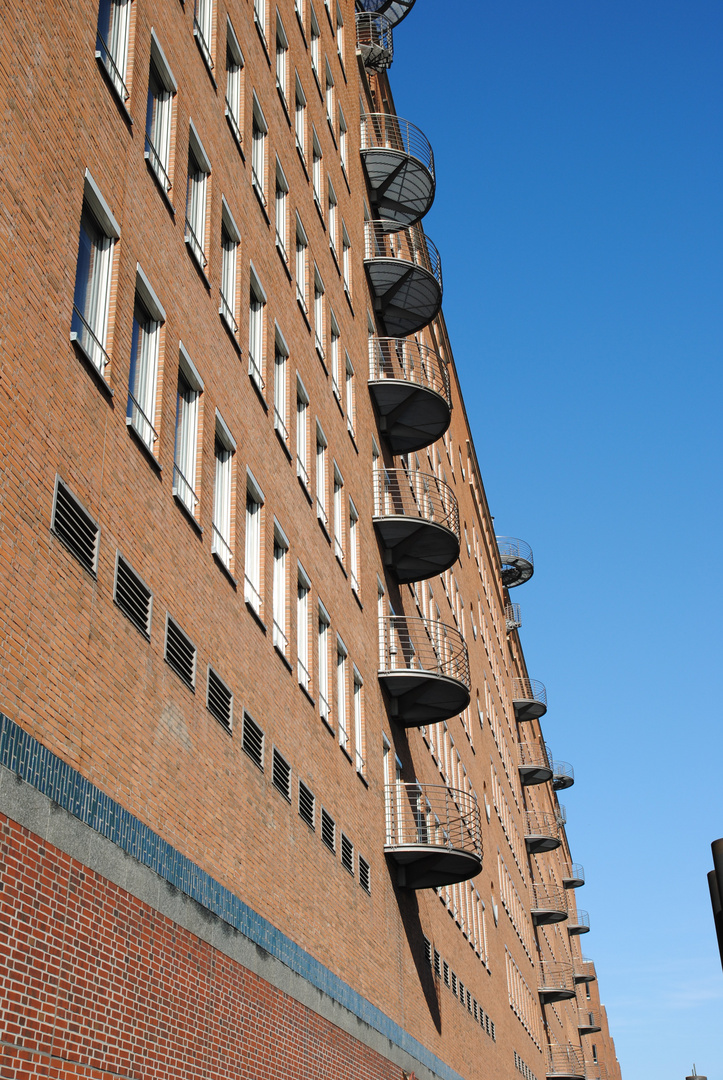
[[365, 878], [73, 525], [133, 596], [306, 805], [180, 653], [428, 952], [253, 741], [219, 699], [281, 774], [328, 830], [347, 854], [437, 964]]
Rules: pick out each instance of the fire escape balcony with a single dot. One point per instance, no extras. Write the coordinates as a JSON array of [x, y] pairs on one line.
[[588, 1021], [578, 922], [584, 970], [417, 520], [433, 834], [399, 165], [595, 1070], [554, 981], [517, 563], [542, 833], [529, 698], [395, 10], [565, 1063], [409, 385], [573, 876], [548, 905], [405, 277], [533, 763], [374, 40], [513, 616], [563, 775], [424, 669]]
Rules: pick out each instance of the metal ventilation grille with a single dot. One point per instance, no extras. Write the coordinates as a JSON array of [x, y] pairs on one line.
[[328, 830], [253, 741], [219, 699], [306, 805], [454, 984], [73, 525], [437, 957], [365, 878], [281, 774], [133, 596], [428, 952], [180, 653], [347, 854]]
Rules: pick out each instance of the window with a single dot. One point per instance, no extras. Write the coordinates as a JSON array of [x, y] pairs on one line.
[[350, 402], [111, 46], [257, 303], [319, 314], [323, 644], [321, 447], [331, 221], [252, 571], [281, 550], [315, 35], [335, 357], [316, 157], [260, 19], [342, 139], [341, 702], [162, 88], [302, 628], [203, 30], [190, 388], [300, 120], [346, 260], [299, 9], [358, 724], [302, 245], [282, 49], [91, 299], [340, 34], [282, 192], [224, 450], [338, 514], [230, 240], [329, 96], [234, 67], [281, 356], [354, 546], [148, 316], [199, 169], [259, 131], [302, 433]]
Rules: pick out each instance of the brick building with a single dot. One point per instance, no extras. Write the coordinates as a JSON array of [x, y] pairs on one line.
[[274, 795]]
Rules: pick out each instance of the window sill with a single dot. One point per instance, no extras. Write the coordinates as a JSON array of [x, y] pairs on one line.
[[363, 779], [98, 375], [334, 255], [222, 566], [261, 199], [279, 652], [320, 212], [284, 104], [302, 157], [284, 259], [346, 753], [355, 594], [181, 504], [327, 724], [301, 27], [337, 398], [262, 35], [304, 311], [159, 184], [230, 331], [342, 65], [330, 124], [306, 694], [254, 613], [305, 488], [259, 391], [323, 528], [352, 436], [315, 73], [236, 136], [116, 92], [346, 178], [340, 560], [347, 294], [143, 445], [197, 263], [284, 444], [207, 60]]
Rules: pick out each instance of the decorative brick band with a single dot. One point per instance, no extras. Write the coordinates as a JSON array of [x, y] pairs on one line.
[[33, 763]]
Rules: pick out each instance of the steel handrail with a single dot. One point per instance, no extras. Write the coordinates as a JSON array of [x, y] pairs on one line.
[[408, 244], [540, 823], [579, 918], [529, 690], [423, 645], [574, 870], [565, 1061], [585, 1014], [533, 754], [514, 548], [433, 815], [548, 897], [399, 493], [386, 131], [583, 966], [555, 973], [513, 616], [374, 32], [563, 768], [409, 361]]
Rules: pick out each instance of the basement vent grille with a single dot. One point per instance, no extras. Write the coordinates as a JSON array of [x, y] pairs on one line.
[[253, 741], [72, 524], [428, 952], [461, 991], [469, 1002], [476, 1009], [281, 774], [365, 877], [133, 596], [306, 805], [454, 984], [446, 973], [347, 854], [328, 830], [219, 699], [180, 653], [437, 964]]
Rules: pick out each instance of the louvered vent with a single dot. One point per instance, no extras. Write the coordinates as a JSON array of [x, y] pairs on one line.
[[446, 973], [461, 991], [133, 596], [253, 741], [75, 527], [281, 775], [454, 984], [328, 830], [219, 699], [180, 653], [365, 878], [306, 805], [347, 854], [437, 964], [428, 952]]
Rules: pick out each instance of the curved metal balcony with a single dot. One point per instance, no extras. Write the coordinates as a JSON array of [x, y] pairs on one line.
[[417, 520], [409, 385], [517, 562], [529, 698], [424, 669], [405, 277], [542, 833], [595, 1070], [565, 1063], [573, 876], [548, 905], [533, 764], [374, 40], [513, 616], [584, 970], [554, 981], [563, 775], [395, 10], [399, 165], [433, 834], [588, 1021], [578, 922]]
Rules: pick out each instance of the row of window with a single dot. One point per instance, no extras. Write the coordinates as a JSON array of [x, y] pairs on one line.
[[442, 970]]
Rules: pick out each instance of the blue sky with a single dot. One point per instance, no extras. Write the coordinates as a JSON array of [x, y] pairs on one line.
[[579, 217]]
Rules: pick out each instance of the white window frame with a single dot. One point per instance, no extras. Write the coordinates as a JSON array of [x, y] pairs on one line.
[[281, 359], [323, 631], [350, 395], [321, 476], [301, 265], [329, 97], [319, 327], [358, 709], [282, 58], [338, 514], [342, 657], [199, 170], [224, 450], [302, 434], [340, 35], [346, 259], [98, 233], [259, 134], [190, 388], [162, 89], [234, 80], [260, 20], [331, 216], [257, 318], [148, 317], [303, 592], [253, 543], [281, 213], [279, 617], [315, 35], [203, 30], [300, 118], [354, 546], [112, 42], [334, 337], [230, 240], [316, 168], [343, 130]]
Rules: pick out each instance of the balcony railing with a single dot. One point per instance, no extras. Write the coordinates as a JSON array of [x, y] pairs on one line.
[[548, 904], [588, 1021], [578, 922], [573, 876], [517, 562], [433, 834], [417, 518], [513, 616], [584, 970], [595, 1070], [563, 775], [395, 10], [405, 276], [529, 698], [409, 384], [424, 667], [542, 833], [565, 1063], [374, 40], [555, 981], [533, 763], [399, 164]]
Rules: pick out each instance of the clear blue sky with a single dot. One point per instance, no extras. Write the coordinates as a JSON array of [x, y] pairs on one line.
[[578, 214]]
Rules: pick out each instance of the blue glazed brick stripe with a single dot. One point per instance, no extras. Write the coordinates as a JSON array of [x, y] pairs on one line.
[[36, 765]]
